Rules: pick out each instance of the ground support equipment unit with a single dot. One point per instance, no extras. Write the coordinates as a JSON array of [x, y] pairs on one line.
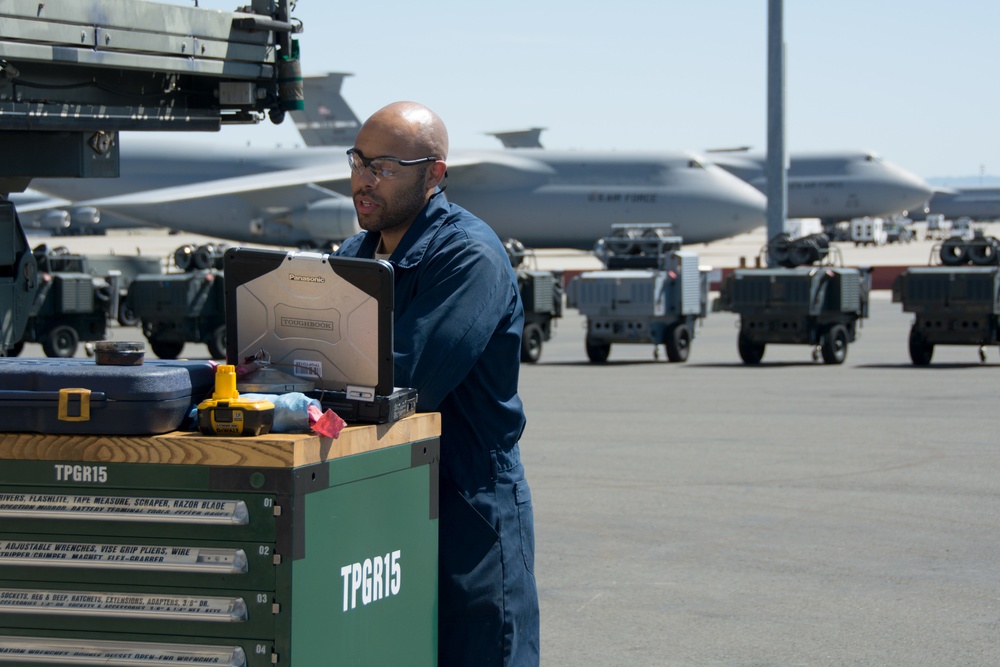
[[183, 307], [651, 292], [818, 304], [542, 296], [76, 297], [187, 549], [954, 304]]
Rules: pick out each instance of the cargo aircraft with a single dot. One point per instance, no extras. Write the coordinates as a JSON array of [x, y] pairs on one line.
[[301, 197], [981, 204], [835, 186]]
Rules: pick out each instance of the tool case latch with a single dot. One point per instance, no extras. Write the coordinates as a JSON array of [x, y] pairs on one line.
[[74, 405]]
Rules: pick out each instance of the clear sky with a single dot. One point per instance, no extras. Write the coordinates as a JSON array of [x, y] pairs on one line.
[[917, 81]]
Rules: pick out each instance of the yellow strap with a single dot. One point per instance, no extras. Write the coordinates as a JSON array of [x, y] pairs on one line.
[[79, 399]]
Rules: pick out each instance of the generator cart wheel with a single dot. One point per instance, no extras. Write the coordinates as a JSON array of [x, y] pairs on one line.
[[531, 343], [15, 349], [166, 349], [597, 351], [217, 342], [126, 316], [61, 342], [750, 352], [920, 350], [678, 343], [835, 345]]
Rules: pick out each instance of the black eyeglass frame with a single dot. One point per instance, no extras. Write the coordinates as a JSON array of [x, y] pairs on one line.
[[366, 162]]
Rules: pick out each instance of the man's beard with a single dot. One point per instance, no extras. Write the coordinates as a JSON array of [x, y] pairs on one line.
[[401, 210]]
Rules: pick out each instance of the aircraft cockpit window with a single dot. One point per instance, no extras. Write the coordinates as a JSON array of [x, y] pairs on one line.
[[694, 164], [871, 157]]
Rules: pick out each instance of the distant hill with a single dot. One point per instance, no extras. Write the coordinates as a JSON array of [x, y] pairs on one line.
[[966, 181]]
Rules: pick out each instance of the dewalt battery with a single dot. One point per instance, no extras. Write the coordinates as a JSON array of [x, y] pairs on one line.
[[190, 549], [228, 414]]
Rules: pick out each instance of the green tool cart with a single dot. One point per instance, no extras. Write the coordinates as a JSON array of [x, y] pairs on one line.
[[185, 549]]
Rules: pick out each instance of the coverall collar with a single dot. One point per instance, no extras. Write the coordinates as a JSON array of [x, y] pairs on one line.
[[412, 247]]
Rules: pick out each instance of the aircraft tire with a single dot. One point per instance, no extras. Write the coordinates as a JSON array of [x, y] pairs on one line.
[[61, 342], [182, 257], [531, 343], [678, 344], [954, 251], [984, 251], [597, 351], [217, 342], [834, 346], [920, 350], [750, 352], [204, 256]]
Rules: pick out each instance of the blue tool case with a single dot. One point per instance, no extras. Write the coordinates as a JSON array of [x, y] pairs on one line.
[[79, 396]]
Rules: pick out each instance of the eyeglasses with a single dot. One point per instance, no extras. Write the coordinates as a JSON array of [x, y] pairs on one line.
[[382, 166]]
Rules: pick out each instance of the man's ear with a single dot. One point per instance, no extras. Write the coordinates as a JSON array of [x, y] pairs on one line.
[[435, 174]]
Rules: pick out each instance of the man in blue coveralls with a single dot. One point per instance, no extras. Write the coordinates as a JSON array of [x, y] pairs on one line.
[[458, 322]]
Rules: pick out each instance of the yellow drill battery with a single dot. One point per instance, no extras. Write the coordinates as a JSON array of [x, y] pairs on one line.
[[228, 414]]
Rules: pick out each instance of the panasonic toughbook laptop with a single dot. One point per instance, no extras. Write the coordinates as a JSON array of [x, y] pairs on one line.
[[319, 317]]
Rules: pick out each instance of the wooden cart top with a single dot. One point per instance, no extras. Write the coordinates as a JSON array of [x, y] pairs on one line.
[[276, 450]]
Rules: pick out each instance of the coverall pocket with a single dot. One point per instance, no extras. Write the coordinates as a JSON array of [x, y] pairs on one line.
[[526, 519]]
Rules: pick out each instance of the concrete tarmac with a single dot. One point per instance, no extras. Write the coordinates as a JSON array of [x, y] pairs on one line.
[[710, 513], [792, 513]]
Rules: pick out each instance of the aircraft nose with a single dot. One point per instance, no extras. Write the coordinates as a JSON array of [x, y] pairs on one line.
[[912, 191], [747, 206]]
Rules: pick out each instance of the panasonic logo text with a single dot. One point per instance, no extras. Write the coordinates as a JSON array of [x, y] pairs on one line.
[[306, 279]]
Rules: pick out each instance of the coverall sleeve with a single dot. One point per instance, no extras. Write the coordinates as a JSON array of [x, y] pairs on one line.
[[462, 295]]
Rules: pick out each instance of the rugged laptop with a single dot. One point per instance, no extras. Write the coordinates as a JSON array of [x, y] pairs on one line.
[[320, 317]]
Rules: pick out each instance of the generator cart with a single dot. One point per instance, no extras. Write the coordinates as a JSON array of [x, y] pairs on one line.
[[183, 306], [955, 303], [76, 297], [805, 300], [542, 296], [650, 292]]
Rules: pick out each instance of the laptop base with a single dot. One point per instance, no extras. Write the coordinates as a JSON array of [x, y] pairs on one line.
[[402, 402]]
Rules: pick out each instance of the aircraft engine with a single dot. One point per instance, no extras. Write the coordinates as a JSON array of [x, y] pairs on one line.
[[327, 219], [57, 219], [85, 215]]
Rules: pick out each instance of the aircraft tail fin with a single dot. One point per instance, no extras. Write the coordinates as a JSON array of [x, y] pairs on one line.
[[520, 138], [326, 120]]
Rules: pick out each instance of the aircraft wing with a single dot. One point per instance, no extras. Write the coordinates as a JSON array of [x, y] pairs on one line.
[[280, 191], [271, 192], [496, 171], [26, 203], [293, 206]]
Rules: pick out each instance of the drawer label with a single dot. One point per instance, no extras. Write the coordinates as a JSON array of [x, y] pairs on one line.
[[123, 508], [123, 556], [130, 605], [50, 650]]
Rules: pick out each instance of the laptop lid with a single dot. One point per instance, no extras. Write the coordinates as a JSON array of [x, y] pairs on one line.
[[317, 316]]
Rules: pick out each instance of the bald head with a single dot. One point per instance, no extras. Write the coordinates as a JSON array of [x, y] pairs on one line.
[[413, 127]]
